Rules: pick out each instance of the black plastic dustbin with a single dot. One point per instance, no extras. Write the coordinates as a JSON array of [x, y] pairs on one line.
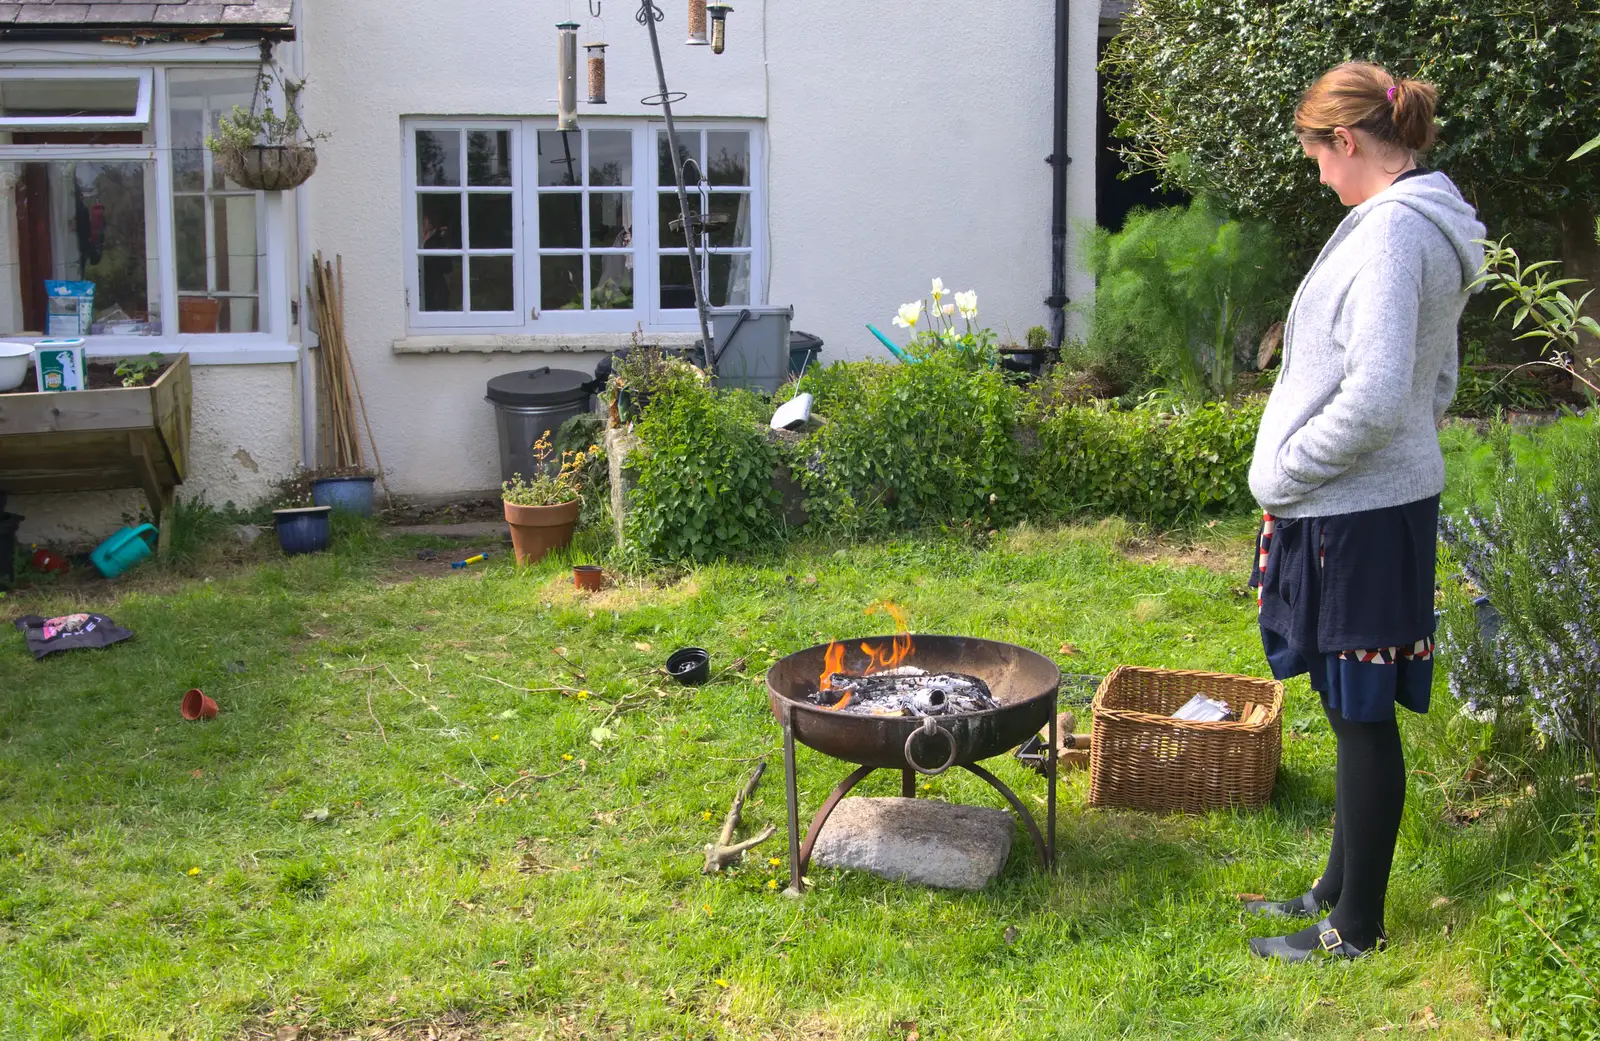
[[530, 403], [803, 351]]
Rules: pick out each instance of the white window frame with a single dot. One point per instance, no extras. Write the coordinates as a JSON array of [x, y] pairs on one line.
[[465, 320], [270, 343], [139, 119], [525, 189]]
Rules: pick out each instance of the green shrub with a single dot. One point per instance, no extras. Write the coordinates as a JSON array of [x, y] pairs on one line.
[[1544, 965], [913, 444], [1159, 467], [1177, 291], [1531, 552], [705, 476]]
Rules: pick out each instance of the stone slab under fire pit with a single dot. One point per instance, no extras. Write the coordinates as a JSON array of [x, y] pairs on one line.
[[925, 841]]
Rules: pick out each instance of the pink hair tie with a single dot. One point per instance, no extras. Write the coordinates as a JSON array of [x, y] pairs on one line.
[[1391, 92]]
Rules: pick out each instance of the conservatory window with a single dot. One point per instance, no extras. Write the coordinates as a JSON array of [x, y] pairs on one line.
[[73, 100]]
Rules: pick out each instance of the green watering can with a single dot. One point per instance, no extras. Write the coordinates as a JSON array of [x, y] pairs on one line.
[[122, 550]]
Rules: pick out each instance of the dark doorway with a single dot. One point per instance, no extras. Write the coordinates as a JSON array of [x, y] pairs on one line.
[[1115, 195]]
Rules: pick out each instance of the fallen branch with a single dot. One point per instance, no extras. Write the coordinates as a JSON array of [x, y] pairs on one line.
[[725, 851]]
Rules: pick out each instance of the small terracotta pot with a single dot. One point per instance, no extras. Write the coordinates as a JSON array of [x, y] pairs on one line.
[[588, 577], [197, 706], [536, 530]]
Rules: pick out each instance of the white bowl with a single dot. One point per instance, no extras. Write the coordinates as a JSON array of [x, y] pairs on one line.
[[14, 361]]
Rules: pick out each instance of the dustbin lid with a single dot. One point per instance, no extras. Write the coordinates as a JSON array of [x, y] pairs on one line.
[[540, 388]]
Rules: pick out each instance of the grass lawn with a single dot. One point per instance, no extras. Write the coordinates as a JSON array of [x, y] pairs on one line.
[[383, 831]]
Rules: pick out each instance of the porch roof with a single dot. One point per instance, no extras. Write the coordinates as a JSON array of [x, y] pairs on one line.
[[145, 20]]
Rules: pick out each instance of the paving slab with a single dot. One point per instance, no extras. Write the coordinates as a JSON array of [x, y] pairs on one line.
[[922, 841]]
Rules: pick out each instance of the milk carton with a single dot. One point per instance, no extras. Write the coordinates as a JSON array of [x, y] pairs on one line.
[[60, 364]]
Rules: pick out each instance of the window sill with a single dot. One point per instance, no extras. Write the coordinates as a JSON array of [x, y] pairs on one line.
[[536, 343], [203, 349]]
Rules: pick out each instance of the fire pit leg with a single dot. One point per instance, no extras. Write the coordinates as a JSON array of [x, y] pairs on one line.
[[832, 803], [1050, 795], [796, 868], [1046, 853], [908, 783]]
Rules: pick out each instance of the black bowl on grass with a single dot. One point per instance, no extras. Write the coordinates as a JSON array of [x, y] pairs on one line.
[[690, 666]]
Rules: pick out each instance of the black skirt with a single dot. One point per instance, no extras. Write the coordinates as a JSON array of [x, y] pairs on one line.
[[1348, 599]]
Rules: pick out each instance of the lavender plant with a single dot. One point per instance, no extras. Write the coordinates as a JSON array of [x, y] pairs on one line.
[[1533, 554]]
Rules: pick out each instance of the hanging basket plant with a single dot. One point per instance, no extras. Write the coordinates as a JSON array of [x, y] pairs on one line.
[[262, 150]]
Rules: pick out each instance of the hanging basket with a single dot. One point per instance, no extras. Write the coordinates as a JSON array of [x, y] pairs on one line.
[[269, 168]]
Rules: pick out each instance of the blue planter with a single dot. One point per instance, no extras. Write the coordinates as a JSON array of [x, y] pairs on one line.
[[305, 530], [346, 494]]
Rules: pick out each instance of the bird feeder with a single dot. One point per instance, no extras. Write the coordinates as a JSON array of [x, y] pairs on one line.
[[697, 24], [596, 56], [567, 76], [719, 11]]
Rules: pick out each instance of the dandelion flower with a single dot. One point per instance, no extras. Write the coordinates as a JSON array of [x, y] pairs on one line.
[[722, 983], [499, 800], [910, 314], [705, 815], [193, 871], [772, 883], [566, 757], [494, 737], [582, 694], [774, 861]]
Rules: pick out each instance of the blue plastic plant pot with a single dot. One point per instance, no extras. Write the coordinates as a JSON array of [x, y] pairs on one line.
[[308, 529], [345, 494], [122, 550]]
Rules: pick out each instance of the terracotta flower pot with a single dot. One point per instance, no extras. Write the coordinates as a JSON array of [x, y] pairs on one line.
[[536, 530], [588, 577], [197, 706]]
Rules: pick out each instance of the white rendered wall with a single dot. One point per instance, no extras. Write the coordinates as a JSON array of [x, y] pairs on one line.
[[904, 142]]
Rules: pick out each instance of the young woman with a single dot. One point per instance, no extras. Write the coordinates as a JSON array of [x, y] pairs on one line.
[[1348, 472]]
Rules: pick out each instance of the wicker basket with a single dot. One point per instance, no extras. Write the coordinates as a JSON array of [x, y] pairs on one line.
[[1145, 760], [269, 168]]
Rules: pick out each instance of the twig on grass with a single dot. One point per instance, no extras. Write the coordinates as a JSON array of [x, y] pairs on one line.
[[526, 690], [1557, 946], [459, 783], [725, 851], [381, 732]]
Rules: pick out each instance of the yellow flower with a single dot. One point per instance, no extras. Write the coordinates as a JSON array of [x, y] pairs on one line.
[[194, 871], [910, 314], [774, 861], [705, 815], [494, 737], [499, 800], [772, 883], [566, 757], [707, 908], [722, 983], [582, 694]]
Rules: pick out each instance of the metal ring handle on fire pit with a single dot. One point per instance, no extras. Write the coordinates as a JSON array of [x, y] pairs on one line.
[[930, 728]]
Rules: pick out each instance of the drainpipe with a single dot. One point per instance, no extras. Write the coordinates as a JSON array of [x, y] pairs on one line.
[[1058, 160], [302, 268]]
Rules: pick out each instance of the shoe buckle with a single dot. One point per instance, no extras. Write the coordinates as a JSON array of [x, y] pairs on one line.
[[1330, 940]]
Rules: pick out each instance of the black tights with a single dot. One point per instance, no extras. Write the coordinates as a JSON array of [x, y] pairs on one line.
[[1370, 793]]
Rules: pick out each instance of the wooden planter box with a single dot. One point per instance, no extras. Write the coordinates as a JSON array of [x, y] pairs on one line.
[[83, 440]]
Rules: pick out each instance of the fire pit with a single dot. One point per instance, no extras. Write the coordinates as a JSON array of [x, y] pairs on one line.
[[917, 704]]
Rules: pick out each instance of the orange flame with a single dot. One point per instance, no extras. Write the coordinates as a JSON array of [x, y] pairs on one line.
[[879, 658]]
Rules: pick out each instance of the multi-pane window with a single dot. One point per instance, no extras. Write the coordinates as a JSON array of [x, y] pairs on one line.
[[585, 220], [216, 223], [466, 220], [105, 179], [578, 224], [722, 199]]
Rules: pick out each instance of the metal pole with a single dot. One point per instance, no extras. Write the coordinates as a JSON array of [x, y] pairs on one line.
[[649, 14]]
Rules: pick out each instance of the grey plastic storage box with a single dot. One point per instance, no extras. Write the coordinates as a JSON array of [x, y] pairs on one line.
[[528, 403], [751, 346]]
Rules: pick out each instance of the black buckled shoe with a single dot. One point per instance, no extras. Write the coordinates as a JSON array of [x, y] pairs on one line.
[[1329, 943], [1304, 906]]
